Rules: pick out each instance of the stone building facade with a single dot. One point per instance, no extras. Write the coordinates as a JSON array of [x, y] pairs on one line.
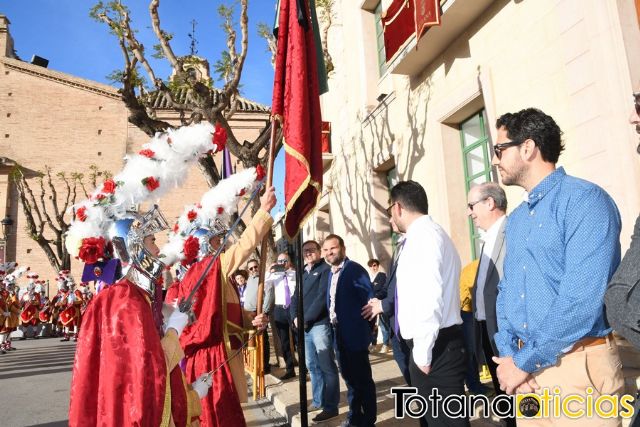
[[426, 111], [49, 118]]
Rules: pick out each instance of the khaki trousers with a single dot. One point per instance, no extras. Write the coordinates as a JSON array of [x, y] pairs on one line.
[[597, 368]]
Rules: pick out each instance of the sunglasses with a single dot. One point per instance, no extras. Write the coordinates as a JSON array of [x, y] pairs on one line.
[[471, 205], [255, 267], [636, 102], [389, 208], [282, 261], [499, 148]]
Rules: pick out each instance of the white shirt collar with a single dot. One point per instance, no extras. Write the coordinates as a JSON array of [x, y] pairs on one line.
[[492, 232]]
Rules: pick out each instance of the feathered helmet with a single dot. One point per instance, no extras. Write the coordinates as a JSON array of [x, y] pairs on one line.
[[204, 231], [11, 278], [61, 280], [31, 284], [39, 288], [7, 268], [107, 235], [190, 238]]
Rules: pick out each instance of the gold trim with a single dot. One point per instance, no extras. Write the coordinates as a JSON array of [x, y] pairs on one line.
[[307, 182], [301, 188], [225, 332], [166, 410]]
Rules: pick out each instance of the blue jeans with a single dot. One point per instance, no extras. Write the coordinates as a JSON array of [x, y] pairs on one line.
[[321, 363], [383, 324]]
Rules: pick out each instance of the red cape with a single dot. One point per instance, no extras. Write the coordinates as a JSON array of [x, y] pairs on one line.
[[204, 345], [119, 373]]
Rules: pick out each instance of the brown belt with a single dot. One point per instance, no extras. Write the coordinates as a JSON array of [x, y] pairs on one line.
[[584, 342]]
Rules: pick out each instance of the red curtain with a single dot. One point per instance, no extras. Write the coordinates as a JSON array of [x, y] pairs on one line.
[[404, 18], [399, 25]]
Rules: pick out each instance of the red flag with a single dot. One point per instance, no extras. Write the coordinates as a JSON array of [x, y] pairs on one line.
[[296, 99]]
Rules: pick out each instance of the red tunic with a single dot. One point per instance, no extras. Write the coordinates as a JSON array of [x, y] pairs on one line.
[[120, 372], [29, 315], [204, 345]]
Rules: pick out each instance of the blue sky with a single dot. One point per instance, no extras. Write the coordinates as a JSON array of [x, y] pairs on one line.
[[62, 32]]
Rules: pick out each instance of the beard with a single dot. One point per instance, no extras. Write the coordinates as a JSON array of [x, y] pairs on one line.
[[514, 177]]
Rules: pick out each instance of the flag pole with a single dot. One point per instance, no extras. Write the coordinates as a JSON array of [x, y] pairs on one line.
[[259, 388], [302, 366]]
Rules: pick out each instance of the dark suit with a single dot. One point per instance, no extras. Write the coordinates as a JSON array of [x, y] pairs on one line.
[[622, 299], [401, 352], [379, 285], [485, 330], [490, 292], [352, 338]]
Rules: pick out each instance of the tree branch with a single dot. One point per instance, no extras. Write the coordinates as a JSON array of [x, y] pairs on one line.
[[231, 87], [164, 42], [43, 207]]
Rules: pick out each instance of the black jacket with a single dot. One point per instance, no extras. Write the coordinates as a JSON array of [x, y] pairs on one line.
[[379, 284], [314, 293], [389, 301]]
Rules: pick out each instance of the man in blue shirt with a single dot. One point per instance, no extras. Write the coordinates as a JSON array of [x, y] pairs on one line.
[[563, 247]]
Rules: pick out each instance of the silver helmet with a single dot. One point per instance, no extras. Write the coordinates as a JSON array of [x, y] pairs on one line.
[[127, 234], [204, 232]]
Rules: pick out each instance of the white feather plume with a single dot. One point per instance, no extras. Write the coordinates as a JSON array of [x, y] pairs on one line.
[[172, 153], [220, 202]]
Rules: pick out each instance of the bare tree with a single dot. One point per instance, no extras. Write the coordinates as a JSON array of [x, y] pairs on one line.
[[266, 33], [325, 7], [194, 99], [46, 210]]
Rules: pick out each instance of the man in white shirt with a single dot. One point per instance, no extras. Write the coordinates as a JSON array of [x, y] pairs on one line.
[[284, 284], [487, 207], [428, 303]]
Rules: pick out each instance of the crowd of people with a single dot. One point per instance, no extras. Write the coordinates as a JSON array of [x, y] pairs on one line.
[[531, 307], [28, 310]]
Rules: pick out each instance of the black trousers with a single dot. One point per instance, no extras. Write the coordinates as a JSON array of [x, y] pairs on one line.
[[355, 369], [266, 351], [448, 367], [283, 326], [488, 354]]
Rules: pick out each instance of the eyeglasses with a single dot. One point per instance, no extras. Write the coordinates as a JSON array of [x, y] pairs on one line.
[[499, 148], [282, 261], [471, 205], [636, 102], [389, 208]]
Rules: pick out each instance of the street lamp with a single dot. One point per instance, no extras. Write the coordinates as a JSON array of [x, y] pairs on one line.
[[7, 222]]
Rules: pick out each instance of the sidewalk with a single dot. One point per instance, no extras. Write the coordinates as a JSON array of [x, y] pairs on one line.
[[285, 395]]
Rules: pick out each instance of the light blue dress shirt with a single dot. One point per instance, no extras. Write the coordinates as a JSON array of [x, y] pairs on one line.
[[562, 248]]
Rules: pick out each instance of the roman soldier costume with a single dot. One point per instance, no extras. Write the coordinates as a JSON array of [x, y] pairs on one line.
[[30, 302], [12, 305], [70, 313], [126, 366], [220, 326]]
